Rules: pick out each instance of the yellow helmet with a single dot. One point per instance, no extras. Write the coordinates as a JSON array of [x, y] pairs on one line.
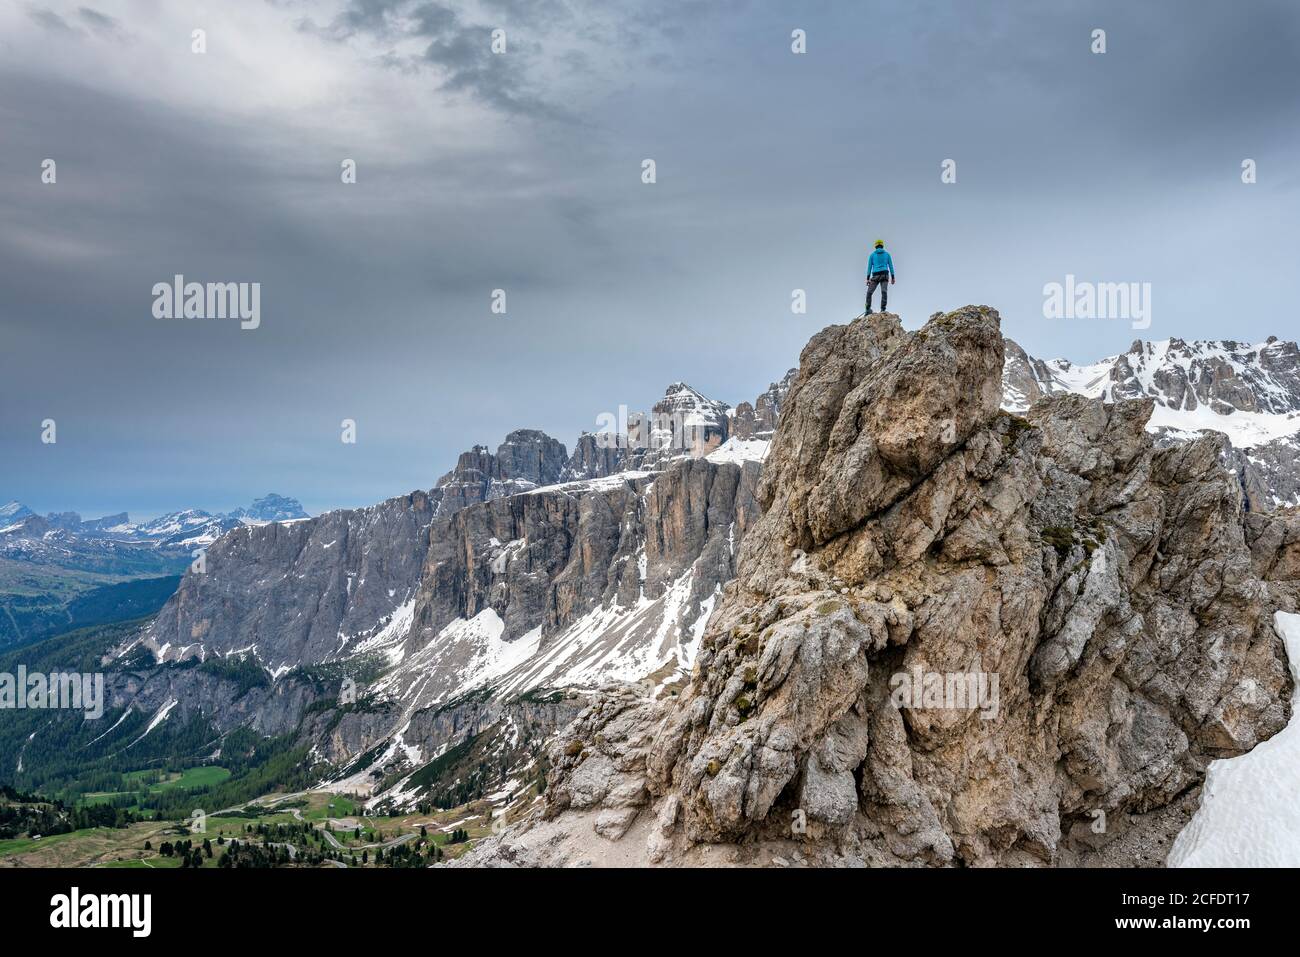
[[879, 243]]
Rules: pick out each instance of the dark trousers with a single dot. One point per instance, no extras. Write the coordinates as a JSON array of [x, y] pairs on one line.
[[880, 279]]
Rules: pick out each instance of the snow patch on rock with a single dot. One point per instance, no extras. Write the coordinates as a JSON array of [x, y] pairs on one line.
[[1249, 814]]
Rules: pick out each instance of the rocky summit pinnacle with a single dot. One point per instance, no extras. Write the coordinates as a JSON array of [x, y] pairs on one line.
[[957, 635], [526, 459]]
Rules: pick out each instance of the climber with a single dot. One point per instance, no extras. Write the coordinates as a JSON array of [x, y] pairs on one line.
[[880, 265]]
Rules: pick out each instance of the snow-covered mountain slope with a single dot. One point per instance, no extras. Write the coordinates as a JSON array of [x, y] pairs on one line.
[[195, 527], [1250, 393], [12, 513], [1218, 378], [683, 424], [570, 586], [686, 421], [1249, 816], [191, 526], [33, 545]]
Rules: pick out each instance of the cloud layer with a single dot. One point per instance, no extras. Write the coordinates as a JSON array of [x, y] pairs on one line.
[[522, 171]]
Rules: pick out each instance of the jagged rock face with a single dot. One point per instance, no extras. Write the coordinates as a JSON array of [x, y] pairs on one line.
[[466, 614], [549, 589], [758, 420], [1221, 375], [530, 456], [1025, 378], [1224, 376], [707, 416], [296, 593], [867, 430], [432, 730], [522, 571], [510, 576], [744, 423], [1249, 393], [1274, 540], [767, 408], [595, 458], [526, 459], [1269, 473], [70, 521], [543, 561], [534, 558], [273, 709], [1094, 597], [683, 424]]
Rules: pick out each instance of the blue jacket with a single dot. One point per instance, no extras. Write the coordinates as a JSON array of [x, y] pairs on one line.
[[880, 261]]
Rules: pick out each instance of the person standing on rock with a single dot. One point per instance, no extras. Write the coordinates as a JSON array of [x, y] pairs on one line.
[[880, 267]]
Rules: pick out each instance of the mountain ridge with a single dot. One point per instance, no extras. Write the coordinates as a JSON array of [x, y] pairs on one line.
[[1249, 393], [526, 575], [182, 527], [1121, 590]]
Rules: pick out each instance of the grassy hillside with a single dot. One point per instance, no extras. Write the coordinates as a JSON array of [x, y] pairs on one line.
[[323, 829], [40, 601]]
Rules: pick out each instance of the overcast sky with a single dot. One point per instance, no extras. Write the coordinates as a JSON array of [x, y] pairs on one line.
[[522, 172]]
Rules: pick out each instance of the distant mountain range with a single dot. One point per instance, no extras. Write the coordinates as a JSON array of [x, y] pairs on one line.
[[191, 526], [60, 571]]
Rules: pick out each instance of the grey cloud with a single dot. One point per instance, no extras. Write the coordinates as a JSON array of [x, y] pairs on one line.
[[457, 51], [433, 20], [532, 13], [373, 17], [465, 59], [100, 23], [774, 171], [49, 20]]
